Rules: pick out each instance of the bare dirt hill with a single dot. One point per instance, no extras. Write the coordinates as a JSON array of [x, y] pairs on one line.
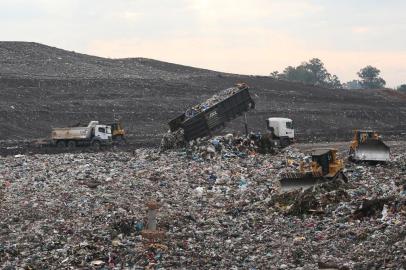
[[43, 87]]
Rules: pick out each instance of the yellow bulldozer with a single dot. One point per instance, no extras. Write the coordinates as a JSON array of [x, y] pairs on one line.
[[117, 131], [367, 145], [324, 166]]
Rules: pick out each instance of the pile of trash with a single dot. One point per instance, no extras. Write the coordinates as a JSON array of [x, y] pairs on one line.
[[222, 95], [88, 211], [227, 146], [174, 138]]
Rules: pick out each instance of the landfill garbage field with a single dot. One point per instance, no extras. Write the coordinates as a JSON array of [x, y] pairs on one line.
[[218, 209]]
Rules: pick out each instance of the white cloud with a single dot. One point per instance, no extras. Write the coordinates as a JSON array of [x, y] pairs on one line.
[[240, 36], [213, 13], [128, 16], [361, 29]]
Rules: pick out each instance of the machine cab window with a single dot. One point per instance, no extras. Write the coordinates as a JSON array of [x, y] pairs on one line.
[[289, 125], [102, 130]]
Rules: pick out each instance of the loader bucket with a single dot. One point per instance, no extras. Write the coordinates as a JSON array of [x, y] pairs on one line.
[[293, 181], [373, 150]]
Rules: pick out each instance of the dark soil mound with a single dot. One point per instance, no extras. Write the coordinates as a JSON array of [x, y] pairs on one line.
[[43, 87]]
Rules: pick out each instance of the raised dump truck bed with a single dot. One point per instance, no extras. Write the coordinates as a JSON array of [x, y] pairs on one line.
[[203, 123], [71, 133]]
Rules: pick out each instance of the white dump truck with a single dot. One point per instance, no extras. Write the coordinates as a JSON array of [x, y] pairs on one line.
[[281, 129], [94, 135]]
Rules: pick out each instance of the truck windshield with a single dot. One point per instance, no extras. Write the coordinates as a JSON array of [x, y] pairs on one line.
[[108, 130], [289, 125], [102, 130]]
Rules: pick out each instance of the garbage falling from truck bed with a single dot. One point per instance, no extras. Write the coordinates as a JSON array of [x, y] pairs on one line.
[[201, 120], [219, 209]]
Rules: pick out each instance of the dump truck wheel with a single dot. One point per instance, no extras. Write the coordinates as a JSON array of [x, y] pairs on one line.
[[71, 144], [284, 142], [61, 144], [96, 145]]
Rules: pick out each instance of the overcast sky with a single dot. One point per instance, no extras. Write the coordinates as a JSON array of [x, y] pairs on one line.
[[249, 37]]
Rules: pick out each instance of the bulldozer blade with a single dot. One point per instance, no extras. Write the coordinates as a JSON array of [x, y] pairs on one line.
[[341, 176], [300, 181], [372, 151]]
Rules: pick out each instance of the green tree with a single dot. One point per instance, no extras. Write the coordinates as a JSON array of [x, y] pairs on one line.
[[312, 72], [274, 74], [335, 82], [297, 74], [318, 71], [402, 88], [354, 84], [370, 78]]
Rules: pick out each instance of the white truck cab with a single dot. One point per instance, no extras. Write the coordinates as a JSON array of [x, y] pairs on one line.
[[281, 127], [103, 132]]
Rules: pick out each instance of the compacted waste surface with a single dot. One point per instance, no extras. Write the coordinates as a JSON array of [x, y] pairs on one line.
[[219, 209]]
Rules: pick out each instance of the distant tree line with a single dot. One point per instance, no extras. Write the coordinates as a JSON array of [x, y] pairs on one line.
[[314, 72], [402, 88]]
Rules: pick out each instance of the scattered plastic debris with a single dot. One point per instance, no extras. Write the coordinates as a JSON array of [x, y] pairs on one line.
[[222, 210]]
